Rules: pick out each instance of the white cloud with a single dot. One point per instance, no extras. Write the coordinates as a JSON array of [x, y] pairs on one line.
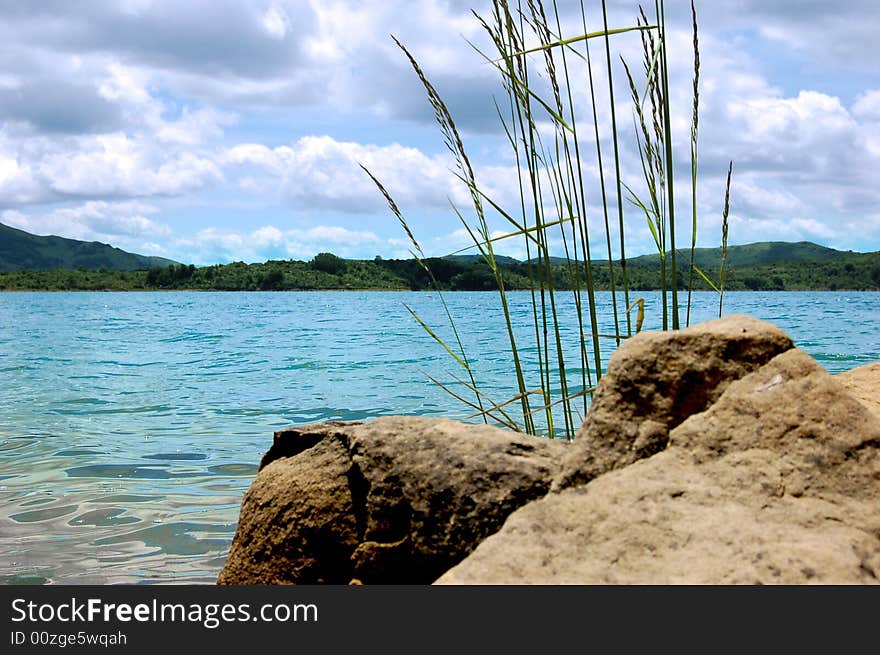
[[805, 155], [319, 172], [809, 116], [17, 184], [194, 127], [267, 235], [272, 160], [126, 224], [752, 198], [790, 229], [212, 245], [125, 84], [160, 151], [276, 22], [867, 105], [118, 165]]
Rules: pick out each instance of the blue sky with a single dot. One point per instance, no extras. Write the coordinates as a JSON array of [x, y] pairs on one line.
[[217, 130]]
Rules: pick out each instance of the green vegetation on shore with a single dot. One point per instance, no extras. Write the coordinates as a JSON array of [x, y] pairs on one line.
[[762, 266]]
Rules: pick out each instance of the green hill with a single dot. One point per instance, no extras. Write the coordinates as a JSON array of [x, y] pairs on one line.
[[753, 254], [471, 259], [22, 251]]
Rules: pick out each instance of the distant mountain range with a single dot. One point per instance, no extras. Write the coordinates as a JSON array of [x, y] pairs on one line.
[[22, 251], [770, 266], [753, 254]]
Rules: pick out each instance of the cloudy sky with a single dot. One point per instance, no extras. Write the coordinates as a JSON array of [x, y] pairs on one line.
[[217, 130]]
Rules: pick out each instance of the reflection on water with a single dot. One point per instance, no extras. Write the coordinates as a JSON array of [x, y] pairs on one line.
[[131, 424], [102, 517], [93, 523]]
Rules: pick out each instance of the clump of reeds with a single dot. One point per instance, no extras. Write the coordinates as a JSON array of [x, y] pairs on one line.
[[539, 69]]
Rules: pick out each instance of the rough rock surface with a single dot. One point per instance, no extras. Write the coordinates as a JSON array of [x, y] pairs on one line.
[[864, 384], [777, 482], [394, 500], [655, 380]]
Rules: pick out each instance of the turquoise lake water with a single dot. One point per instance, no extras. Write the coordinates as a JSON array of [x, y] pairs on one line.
[[132, 423]]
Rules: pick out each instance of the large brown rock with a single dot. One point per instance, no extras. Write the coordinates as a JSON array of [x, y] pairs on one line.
[[394, 500], [777, 482], [864, 385], [655, 380]]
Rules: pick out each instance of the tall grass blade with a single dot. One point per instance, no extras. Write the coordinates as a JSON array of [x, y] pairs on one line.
[[436, 337], [706, 279], [617, 173], [456, 147], [583, 37], [723, 271], [604, 196], [695, 116], [508, 424], [418, 254], [664, 72]]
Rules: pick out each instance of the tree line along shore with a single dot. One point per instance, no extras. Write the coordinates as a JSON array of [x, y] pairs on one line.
[[855, 271]]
